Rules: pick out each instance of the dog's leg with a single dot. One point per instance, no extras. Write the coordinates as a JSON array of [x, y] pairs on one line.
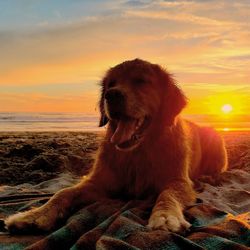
[[56, 209], [167, 213]]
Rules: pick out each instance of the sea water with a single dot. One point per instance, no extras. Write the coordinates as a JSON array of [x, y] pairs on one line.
[[11, 121], [48, 122]]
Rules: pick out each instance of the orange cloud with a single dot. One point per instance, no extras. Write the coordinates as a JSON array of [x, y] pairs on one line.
[[36, 102], [206, 46]]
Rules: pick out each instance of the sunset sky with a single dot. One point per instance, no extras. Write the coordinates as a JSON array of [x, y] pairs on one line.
[[54, 52]]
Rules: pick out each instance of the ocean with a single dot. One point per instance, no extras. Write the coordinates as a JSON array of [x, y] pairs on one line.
[[89, 122], [48, 122]]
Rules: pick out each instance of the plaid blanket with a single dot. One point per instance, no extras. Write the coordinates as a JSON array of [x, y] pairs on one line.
[[116, 224]]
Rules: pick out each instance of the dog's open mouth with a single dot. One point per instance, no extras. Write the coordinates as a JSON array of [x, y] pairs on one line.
[[129, 132]]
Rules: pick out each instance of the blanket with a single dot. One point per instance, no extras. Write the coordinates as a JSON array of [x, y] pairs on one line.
[[116, 224]]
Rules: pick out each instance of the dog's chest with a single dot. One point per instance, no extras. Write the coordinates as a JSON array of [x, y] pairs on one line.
[[144, 172], [137, 176]]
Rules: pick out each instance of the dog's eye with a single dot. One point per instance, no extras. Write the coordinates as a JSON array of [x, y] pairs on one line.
[[139, 81], [111, 83]]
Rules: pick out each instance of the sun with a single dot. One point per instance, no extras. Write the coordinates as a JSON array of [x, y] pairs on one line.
[[226, 108]]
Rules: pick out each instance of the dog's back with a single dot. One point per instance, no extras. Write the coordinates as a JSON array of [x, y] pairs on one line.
[[214, 156], [209, 147]]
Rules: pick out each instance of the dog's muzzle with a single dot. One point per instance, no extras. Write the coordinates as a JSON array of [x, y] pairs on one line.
[[128, 130], [115, 100]]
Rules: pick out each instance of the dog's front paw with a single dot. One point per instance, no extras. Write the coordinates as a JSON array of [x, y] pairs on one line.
[[167, 221], [29, 221]]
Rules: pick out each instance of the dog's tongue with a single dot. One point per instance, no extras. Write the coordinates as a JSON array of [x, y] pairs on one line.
[[124, 131]]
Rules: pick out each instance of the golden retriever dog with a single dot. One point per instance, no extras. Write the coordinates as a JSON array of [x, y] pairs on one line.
[[148, 150]]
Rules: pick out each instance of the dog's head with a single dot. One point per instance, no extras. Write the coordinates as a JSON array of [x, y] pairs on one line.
[[138, 98]]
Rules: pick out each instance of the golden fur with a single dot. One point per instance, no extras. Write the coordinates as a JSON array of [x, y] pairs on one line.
[[148, 150]]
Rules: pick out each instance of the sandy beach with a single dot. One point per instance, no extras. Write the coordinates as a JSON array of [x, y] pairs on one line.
[[48, 161], [39, 156]]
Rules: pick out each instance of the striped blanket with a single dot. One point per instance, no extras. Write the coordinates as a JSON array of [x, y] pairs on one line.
[[116, 224]]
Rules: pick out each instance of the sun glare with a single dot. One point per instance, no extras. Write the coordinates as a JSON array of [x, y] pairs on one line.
[[226, 108]]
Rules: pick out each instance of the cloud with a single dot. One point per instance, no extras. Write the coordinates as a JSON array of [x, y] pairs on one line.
[[135, 3], [216, 87], [52, 89], [83, 50], [199, 1], [243, 57], [198, 41], [21, 102], [181, 17]]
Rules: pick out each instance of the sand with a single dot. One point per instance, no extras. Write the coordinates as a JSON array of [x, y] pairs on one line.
[[232, 193], [48, 161], [34, 157]]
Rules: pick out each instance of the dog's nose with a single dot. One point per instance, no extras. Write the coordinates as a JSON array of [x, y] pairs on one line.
[[114, 96]]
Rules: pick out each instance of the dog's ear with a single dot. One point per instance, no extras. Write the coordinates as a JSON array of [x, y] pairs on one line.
[[103, 119], [175, 100]]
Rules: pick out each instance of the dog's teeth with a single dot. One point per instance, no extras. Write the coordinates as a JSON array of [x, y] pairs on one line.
[[139, 123], [137, 137], [134, 137]]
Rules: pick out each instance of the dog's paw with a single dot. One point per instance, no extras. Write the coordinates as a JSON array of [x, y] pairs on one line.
[[168, 222], [29, 221]]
